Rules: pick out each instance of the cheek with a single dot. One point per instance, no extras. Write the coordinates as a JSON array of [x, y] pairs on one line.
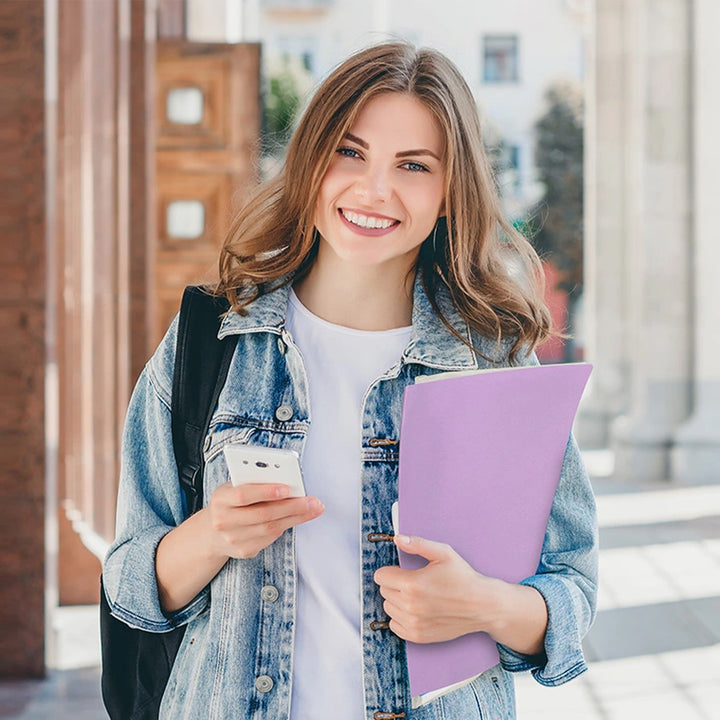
[[430, 208], [336, 178], [426, 196]]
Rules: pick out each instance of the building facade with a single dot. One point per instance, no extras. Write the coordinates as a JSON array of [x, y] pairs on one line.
[[653, 300], [508, 52]]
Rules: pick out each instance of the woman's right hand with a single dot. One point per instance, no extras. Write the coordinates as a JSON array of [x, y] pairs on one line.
[[238, 522], [245, 519]]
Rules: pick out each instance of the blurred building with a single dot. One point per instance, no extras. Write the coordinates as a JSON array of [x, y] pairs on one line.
[[652, 252], [125, 150], [509, 52]]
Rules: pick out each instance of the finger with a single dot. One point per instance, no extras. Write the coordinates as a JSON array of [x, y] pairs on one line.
[[252, 493], [259, 535], [399, 629], [276, 527], [390, 576], [273, 511], [388, 592], [429, 549], [393, 610]]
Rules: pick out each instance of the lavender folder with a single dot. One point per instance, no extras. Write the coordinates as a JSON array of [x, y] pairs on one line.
[[480, 459]]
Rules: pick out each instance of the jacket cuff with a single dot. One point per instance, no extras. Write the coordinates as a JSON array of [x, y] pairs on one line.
[[137, 602], [562, 659]]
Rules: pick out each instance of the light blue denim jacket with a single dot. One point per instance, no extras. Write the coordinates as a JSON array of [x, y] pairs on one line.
[[236, 657]]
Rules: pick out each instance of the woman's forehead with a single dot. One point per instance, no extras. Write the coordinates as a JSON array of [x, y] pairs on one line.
[[398, 119]]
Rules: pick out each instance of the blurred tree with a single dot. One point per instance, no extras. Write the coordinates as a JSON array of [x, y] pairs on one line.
[[288, 85], [559, 214]]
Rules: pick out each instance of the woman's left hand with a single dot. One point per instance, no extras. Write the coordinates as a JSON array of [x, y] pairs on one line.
[[448, 598], [441, 601]]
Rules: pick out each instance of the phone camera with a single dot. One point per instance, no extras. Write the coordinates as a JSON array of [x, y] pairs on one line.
[[260, 463]]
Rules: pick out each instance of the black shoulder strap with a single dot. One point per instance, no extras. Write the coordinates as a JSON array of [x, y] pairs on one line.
[[201, 366]]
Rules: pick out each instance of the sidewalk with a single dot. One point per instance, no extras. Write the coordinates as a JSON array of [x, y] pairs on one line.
[[654, 650]]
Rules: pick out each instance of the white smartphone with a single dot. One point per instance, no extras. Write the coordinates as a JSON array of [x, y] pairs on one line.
[[257, 464]]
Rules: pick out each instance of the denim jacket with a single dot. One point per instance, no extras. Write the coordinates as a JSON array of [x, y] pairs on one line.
[[236, 657]]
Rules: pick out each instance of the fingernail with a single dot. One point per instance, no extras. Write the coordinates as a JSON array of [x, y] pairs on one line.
[[282, 491], [314, 504], [403, 539]]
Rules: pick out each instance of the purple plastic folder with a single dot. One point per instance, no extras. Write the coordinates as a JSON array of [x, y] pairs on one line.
[[480, 459]]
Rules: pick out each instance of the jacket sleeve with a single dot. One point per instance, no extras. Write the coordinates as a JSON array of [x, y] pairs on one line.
[[150, 502], [566, 577]]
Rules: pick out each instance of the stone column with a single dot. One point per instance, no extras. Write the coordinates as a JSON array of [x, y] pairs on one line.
[[606, 294], [696, 457], [23, 292], [658, 261]]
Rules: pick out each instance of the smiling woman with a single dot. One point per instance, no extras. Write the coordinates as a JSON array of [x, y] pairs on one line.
[[378, 255], [275, 237], [387, 180]]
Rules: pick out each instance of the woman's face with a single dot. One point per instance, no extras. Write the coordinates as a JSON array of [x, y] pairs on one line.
[[384, 189]]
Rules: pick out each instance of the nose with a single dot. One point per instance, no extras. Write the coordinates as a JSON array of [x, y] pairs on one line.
[[373, 185]]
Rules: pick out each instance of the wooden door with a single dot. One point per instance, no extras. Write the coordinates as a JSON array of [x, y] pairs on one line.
[[207, 117]]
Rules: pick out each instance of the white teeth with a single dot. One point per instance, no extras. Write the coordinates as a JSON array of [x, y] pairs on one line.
[[365, 221]]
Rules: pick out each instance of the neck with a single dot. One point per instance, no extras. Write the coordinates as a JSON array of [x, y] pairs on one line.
[[359, 298]]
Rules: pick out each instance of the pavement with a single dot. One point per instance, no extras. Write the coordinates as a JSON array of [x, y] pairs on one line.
[[654, 650]]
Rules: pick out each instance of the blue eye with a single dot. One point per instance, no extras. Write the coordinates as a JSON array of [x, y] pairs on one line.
[[348, 152], [415, 167]]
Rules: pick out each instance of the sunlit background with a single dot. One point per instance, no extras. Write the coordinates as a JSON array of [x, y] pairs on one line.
[[132, 130]]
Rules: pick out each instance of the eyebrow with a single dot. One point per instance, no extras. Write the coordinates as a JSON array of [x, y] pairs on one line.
[[402, 154]]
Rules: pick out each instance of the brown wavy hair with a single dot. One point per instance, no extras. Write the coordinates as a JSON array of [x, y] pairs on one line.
[[492, 272]]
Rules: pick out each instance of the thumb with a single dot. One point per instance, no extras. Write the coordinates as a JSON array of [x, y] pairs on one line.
[[429, 549]]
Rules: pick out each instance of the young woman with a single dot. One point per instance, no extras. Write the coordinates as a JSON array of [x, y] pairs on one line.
[[379, 254]]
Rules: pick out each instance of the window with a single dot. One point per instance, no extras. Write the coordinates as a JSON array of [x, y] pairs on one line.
[[300, 49], [184, 106], [500, 53], [185, 219]]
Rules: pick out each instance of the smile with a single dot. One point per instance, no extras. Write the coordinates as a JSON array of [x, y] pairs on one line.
[[367, 221]]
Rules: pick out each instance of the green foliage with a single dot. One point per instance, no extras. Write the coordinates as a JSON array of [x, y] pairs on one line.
[[288, 85], [559, 160], [281, 105]]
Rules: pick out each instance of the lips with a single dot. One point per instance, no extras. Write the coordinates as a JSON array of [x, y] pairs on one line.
[[364, 224]]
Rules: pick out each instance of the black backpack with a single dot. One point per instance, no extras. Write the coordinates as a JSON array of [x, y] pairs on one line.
[[136, 664]]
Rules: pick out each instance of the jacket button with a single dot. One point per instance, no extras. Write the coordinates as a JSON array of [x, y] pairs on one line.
[[264, 683], [283, 413], [269, 593]]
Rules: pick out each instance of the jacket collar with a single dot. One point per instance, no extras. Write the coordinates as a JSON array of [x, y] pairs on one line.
[[431, 342]]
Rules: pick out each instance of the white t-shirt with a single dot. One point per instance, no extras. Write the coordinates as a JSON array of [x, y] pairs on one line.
[[340, 363]]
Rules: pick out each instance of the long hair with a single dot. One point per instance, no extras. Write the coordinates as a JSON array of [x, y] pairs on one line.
[[492, 273]]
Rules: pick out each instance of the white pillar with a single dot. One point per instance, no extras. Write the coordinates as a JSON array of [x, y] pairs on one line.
[[605, 232], [696, 457], [659, 256]]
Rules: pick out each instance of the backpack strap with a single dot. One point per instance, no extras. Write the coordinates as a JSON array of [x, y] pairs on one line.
[[201, 366]]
